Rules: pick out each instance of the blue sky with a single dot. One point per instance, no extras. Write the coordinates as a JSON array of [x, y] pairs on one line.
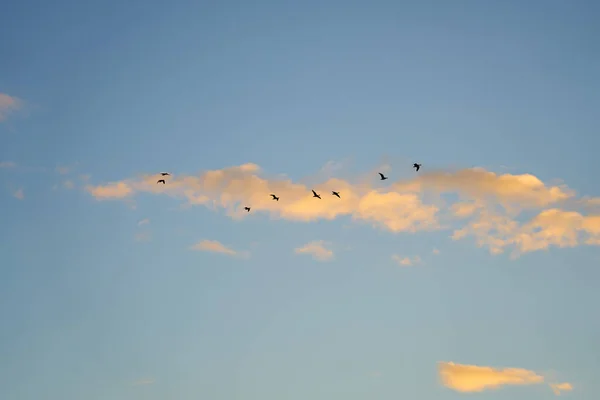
[[403, 291]]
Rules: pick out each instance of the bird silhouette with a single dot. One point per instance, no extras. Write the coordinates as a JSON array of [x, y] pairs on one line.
[[383, 177], [165, 174], [161, 181], [416, 166], [275, 197], [316, 195], [336, 194], [247, 209]]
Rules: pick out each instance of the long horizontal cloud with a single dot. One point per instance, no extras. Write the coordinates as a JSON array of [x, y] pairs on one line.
[[485, 205], [215, 246], [317, 249], [474, 378]]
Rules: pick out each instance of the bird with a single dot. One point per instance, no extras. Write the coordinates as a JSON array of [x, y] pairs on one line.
[[165, 174], [316, 195], [161, 181], [416, 166], [247, 209], [336, 194], [275, 197], [383, 177]]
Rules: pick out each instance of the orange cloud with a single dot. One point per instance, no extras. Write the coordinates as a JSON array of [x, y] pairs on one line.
[[558, 388], [473, 378], [406, 261], [317, 250], [487, 210], [216, 247], [8, 104]]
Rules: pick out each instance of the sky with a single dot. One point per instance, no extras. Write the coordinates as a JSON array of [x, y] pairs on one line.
[[475, 277]]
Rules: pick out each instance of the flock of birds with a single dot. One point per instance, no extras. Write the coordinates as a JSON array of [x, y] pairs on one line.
[[315, 194]]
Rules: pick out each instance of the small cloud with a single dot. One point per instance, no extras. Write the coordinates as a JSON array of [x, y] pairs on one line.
[[216, 247], [376, 374], [145, 221], [8, 104], [19, 194], [143, 237], [118, 190], [7, 164], [316, 249], [474, 378], [435, 251], [63, 170], [68, 184], [406, 261], [143, 382], [558, 388]]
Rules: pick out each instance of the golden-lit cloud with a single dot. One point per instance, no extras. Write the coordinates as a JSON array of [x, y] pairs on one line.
[[558, 388], [474, 378], [489, 209], [406, 261], [214, 246], [317, 249], [8, 104]]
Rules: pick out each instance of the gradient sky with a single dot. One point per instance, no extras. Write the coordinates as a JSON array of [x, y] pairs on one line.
[[107, 299]]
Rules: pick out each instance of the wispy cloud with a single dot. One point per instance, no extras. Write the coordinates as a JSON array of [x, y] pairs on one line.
[[145, 236], [406, 261], [490, 208], [144, 221], [8, 104], [63, 170], [558, 388], [435, 251], [7, 164], [217, 247], [142, 382], [68, 184], [474, 378], [19, 194], [317, 250]]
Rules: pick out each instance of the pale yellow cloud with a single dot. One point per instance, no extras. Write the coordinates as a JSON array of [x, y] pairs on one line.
[[317, 249], [406, 261], [8, 104], [474, 378], [558, 388], [217, 247], [118, 190], [488, 210]]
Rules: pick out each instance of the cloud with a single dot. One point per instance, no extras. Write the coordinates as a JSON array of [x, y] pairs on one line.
[[435, 251], [558, 388], [406, 261], [63, 170], [118, 190], [143, 382], [8, 104], [217, 247], [493, 209], [473, 378], [7, 164], [68, 184], [317, 250], [142, 236], [144, 221], [19, 194]]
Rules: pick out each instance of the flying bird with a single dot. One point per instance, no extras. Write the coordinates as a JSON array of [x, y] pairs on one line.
[[275, 197], [416, 166], [336, 194], [161, 181], [316, 195], [383, 177], [247, 209], [165, 174]]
